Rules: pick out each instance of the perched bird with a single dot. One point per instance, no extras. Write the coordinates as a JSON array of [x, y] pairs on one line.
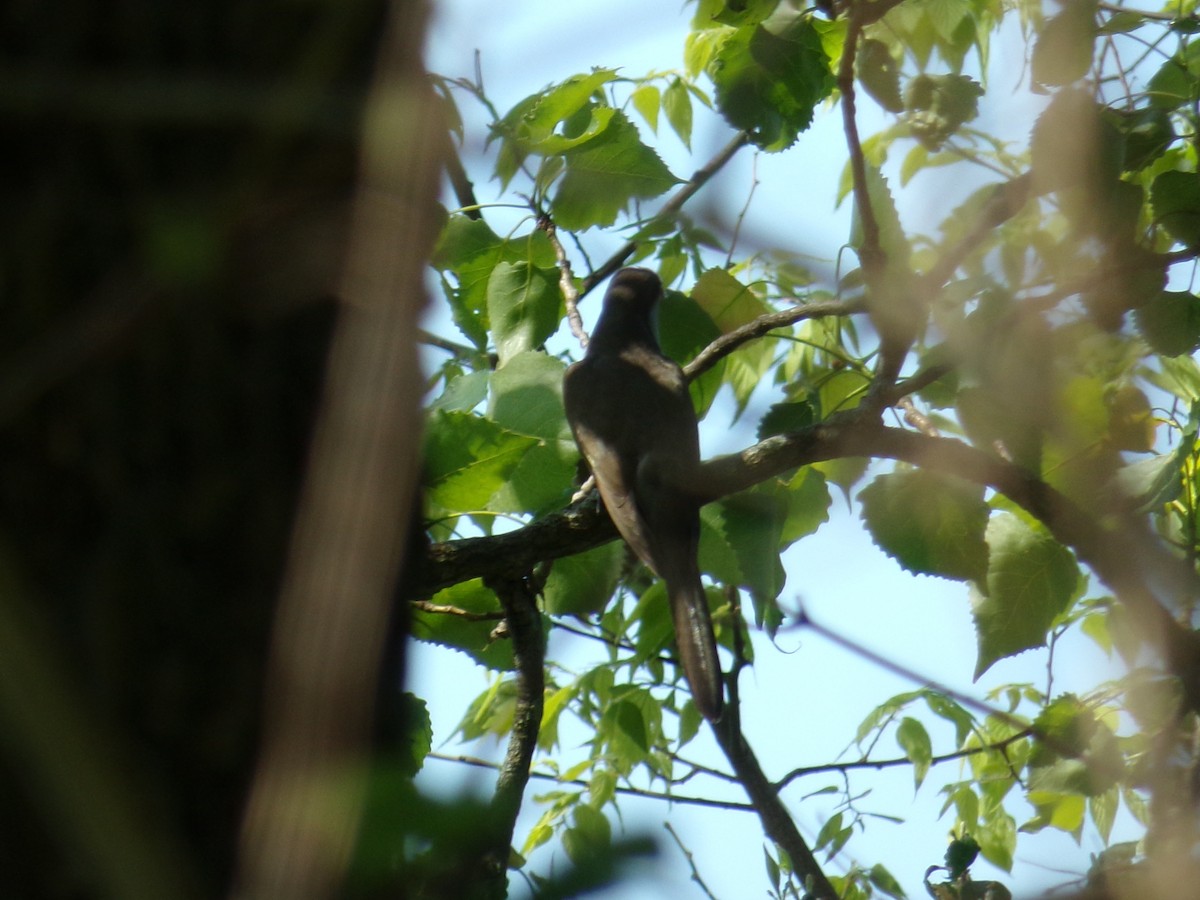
[[632, 417]]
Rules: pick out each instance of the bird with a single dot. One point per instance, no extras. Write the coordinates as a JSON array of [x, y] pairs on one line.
[[632, 417]]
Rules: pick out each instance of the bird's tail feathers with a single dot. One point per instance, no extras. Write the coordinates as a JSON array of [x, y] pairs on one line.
[[697, 646]]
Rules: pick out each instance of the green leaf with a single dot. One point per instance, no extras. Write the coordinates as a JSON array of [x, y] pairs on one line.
[[1175, 83], [468, 458], [460, 633], [892, 239], [752, 523], [677, 104], [914, 741], [407, 731], [845, 472], [589, 838], [1061, 811], [1175, 198], [526, 397], [770, 77], [523, 304], [997, 838], [584, 583], [1103, 809], [1148, 133], [465, 392], [469, 250], [884, 881], [603, 175], [808, 506], [829, 830], [929, 523], [938, 105], [1171, 322], [1031, 579], [1063, 52], [728, 302], [646, 100], [684, 330], [532, 125], [880, 74], [782, 418], [945, 708]]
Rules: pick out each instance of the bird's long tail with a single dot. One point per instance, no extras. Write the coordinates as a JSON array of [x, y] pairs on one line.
[[697, 645]]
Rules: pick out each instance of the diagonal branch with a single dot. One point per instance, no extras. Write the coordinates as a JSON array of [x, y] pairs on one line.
[[727, 343]]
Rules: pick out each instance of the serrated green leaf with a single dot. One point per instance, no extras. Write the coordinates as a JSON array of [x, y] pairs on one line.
[[684, 330], [892, 239], [1170, 323], [407, 731], [468, 458], [604, 175], [786, 417], [1031, 579], [808, 506], [770, 77], [752, 523], [1175, 197], [929, 523]]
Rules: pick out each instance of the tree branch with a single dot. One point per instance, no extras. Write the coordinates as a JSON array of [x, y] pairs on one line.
[[901, 760], [727, 343], [776, 821], [529, 651]]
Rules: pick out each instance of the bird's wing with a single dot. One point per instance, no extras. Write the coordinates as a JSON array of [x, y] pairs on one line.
[[598, 411]]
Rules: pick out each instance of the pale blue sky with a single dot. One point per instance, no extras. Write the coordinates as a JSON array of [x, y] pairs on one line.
[[801, 705]]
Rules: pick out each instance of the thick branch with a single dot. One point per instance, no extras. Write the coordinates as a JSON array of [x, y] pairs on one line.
[[529, 651]]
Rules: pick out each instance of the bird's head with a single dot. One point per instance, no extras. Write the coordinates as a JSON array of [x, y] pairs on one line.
[[630, 310]]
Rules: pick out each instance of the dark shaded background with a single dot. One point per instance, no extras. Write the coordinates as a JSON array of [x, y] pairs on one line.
[[174, 206]]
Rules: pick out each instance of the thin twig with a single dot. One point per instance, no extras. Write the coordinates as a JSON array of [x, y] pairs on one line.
[[727, 343], [691, 861], [566, 279], [443, 609], [629, 790], [901, 760]]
